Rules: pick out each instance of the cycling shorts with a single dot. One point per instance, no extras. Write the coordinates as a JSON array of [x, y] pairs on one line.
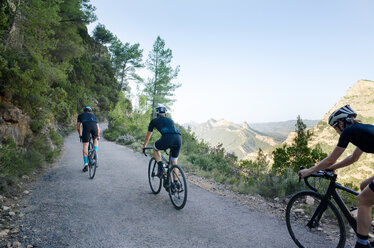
[[172, 141], [371, 185], [89, 128]]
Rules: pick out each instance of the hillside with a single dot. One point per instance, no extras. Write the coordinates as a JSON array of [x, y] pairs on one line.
[[361, 98], [240, 139], [247, 138], [280, 130]]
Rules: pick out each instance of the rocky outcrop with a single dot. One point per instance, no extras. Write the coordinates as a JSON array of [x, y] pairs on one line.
[[14, 124]]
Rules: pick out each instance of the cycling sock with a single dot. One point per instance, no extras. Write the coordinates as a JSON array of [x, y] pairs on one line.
[[95, 147], [362, 239], [85, 159]]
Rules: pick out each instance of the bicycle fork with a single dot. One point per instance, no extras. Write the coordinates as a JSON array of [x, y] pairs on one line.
[[314, 221]]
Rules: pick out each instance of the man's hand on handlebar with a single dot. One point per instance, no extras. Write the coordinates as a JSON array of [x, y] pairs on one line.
[[305, 172]]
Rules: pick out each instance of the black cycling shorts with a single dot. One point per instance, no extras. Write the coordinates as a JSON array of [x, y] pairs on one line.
[[89, 128], [172, 141], [371, 185]]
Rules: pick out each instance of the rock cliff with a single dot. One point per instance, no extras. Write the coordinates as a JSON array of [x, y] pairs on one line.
[[14, 124]]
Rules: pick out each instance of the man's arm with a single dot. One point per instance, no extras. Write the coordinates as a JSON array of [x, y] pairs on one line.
[[325, 163], [98, 131], [147, 137], [79, 128], [348, 160]]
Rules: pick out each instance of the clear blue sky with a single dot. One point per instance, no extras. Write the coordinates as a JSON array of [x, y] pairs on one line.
[[254, 61]]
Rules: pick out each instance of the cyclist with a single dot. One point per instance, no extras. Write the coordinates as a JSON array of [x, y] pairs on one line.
[[171, 137], [362, 136], [90, 126]]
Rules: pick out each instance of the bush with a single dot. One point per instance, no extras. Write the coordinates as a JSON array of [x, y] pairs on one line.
[[37, 125]]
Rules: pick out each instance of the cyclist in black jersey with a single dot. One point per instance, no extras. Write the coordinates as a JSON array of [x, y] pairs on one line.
[[171, 137], [362, 136], [90, 126]]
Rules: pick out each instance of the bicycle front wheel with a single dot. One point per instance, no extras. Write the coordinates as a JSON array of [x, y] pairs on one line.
[[153, 179], [325, 230], [178, 187], [92, 163]]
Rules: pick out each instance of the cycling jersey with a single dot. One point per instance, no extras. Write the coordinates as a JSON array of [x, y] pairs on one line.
[[361, 135], [164, 125], [89, 123], [171, 136], [86, 117]]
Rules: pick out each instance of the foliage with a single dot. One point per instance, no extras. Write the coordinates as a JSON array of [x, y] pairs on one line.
[[126, 59], [254, 169], [160, 88], [298, 154], [49, 68]]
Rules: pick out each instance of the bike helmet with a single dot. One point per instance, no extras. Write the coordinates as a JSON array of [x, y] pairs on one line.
[[161, 109], [87, 109], [344, 112]]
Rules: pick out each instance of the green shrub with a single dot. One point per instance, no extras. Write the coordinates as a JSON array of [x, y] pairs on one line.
[[37, 125]]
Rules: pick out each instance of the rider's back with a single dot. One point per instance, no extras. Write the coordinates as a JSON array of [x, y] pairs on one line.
[[87, 117], [164, 125]]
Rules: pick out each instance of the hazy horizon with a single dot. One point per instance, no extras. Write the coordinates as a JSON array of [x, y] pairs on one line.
[[254, 61]]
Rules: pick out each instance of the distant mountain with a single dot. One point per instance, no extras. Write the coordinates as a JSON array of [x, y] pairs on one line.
[[243, 139], [239, 139], [361, 98], [280, 130]]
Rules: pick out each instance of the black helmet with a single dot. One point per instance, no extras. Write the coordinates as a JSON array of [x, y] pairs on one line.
[[161, 109], [87, 109], [341, 113]]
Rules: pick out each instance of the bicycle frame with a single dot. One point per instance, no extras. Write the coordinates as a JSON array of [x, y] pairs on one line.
[[331, 192]]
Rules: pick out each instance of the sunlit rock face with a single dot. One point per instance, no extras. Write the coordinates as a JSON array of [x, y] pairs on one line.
[[14, 124]]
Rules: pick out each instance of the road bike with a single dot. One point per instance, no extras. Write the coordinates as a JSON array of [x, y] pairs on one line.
[[92, 159], [313, 220], [173, 180]]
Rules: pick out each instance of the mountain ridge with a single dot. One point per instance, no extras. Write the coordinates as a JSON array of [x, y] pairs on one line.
[[241, 139]]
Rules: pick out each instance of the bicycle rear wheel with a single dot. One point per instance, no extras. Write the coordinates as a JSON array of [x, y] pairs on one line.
[[92, 161], [327, 230], [178, 187], [153, 179]]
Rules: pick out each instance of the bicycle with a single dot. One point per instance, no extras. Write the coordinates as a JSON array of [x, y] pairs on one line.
[[177, 188], [321, 220], [92, 159]]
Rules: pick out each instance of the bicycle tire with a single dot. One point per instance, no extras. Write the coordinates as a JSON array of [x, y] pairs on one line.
[[178, 195], [329, 228], [92, 161], [154, 181]]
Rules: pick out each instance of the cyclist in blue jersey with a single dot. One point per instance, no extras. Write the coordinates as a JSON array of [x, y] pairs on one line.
[[171, 137], [362, 136], [90, 126]]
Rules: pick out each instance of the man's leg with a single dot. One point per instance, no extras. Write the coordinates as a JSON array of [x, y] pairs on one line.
[[95, 143], [176, 174], [366, 183], [85, 156], [157, 155], [365, 203]]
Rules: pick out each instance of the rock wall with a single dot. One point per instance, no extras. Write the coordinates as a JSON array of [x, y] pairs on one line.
[[14, 124]]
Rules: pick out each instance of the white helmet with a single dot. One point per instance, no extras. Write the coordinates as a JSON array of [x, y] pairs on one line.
[[161, 109], [341, 113]]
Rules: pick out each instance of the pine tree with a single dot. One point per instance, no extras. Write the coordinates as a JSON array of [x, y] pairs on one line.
[[160, 87]]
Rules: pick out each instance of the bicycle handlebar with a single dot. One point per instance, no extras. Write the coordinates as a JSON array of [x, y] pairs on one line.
[[146, 148], [326, 174], [149, 148]]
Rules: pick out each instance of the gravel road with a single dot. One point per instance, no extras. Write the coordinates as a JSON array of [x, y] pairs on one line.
[[117, 209]]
